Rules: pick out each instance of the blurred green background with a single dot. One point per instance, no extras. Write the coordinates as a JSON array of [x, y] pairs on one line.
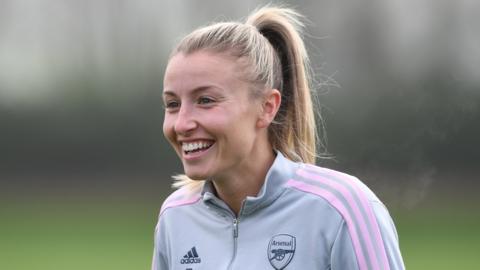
[[84, 167]]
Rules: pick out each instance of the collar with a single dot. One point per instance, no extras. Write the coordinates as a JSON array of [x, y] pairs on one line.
[[279, 173]]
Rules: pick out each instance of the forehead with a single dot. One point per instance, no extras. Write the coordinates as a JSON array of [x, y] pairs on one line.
[[189, 71]]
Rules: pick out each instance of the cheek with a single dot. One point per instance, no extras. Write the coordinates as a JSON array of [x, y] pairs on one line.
[[168, 127], [221, 121]]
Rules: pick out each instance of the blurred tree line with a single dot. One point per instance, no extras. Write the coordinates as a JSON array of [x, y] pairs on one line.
[[99, 108]]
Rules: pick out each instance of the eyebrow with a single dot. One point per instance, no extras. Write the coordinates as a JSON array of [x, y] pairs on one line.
[[194, 91]]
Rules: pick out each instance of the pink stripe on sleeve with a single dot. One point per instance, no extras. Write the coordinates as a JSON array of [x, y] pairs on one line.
[[333, 200], [179, 202], [369, 211], [356, 211]]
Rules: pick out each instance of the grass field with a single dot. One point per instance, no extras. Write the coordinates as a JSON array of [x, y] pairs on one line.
[[117, 234], [440, 238]]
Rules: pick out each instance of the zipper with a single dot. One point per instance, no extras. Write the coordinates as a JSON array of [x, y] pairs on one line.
[[235, 237], [235, 221], [235, 228]]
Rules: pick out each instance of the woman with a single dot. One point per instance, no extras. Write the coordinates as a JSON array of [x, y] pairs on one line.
[[238, 112]]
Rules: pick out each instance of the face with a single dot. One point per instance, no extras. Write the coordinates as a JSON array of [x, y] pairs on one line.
[[210, 118]]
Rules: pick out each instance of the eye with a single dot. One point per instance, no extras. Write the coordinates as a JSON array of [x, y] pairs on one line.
[[171, 104], [205, 100]]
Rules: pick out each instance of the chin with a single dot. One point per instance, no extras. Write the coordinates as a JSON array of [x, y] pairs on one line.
[[196, 175]]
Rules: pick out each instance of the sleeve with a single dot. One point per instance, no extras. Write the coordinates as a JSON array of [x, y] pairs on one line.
[[344, 255], [159, 261], [389, 236]]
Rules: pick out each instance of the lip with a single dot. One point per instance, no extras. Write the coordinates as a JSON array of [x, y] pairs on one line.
[[196, 155]]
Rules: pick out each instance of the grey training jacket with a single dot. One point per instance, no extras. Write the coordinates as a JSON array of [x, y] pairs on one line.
[[304, 217]]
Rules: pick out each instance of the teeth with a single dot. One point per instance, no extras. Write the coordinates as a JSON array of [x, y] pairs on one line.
[[188, 147]]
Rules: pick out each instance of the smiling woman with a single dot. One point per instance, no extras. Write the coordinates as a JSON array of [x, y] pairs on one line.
[[214, 124], [238, 113]]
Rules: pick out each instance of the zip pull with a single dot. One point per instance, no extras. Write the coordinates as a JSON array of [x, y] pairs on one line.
[[235, 228]]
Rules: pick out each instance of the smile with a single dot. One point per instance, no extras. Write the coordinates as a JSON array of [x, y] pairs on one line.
[[192, 147]]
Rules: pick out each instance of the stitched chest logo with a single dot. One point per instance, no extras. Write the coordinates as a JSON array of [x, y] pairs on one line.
[[281, 250], [191, 257]]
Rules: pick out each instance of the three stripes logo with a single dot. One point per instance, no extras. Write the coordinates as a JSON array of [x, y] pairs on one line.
[[191, 257]]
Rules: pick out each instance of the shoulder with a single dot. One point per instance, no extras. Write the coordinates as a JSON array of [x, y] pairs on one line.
[[346, 194], [182, 197], [331, 185], [366, 220]]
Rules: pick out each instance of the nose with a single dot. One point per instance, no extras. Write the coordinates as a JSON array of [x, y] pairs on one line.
[[185, 122]]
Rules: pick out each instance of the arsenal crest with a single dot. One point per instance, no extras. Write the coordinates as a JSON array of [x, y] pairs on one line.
[[281, 250]]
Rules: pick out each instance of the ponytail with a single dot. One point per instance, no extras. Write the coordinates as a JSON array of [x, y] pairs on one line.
[[294, 131]]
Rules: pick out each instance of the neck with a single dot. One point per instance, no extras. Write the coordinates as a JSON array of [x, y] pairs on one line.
[[235, 187]]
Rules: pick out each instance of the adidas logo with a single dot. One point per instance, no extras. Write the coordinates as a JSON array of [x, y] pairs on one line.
[[191, 257]]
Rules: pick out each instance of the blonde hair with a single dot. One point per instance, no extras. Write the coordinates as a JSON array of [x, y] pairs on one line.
[[271, 43]]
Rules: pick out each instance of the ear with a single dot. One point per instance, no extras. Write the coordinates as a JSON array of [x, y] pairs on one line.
[[270, 105]]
